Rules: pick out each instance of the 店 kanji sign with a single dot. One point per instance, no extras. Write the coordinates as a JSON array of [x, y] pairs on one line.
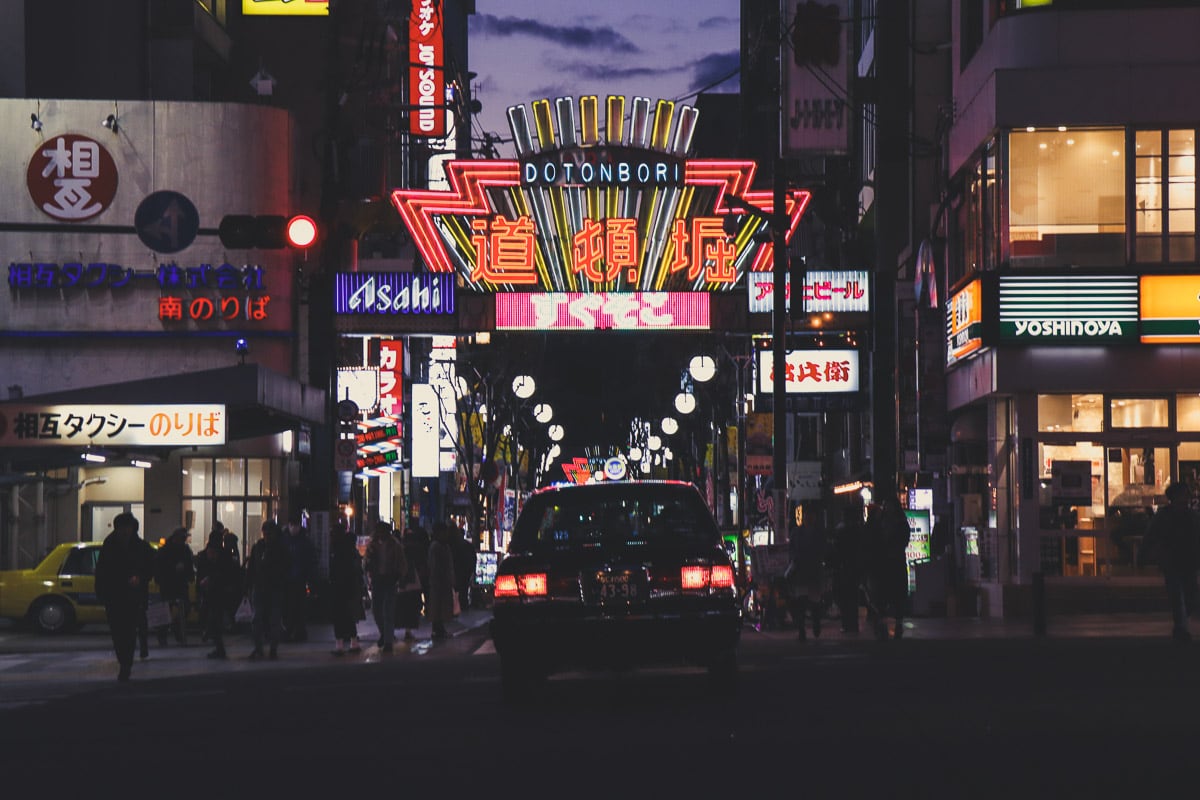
[[581, 212], [30, 425]]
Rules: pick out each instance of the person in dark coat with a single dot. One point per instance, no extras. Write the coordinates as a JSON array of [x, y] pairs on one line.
[[266, 582], [1173, 540], [385, 567], [465, 557], [409, 598], [218, 585], [806, 551], [887, 565], [439, 603], [346, 589], [123, 571], [301, 574], [847, 559], [174, 571]]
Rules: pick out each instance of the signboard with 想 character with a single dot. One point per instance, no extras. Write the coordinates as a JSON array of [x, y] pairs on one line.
[[101, 425]]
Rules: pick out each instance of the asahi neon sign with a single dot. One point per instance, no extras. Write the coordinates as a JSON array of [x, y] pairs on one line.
[[579, 211]]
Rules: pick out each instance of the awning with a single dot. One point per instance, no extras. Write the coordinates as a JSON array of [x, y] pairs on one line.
[[258, 402]]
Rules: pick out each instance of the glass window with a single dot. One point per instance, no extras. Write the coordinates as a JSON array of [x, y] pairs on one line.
[[1165, 195], [1189, 465], [1071, 493], [80, 561], [230, 476], [1187, 410], [1065, 413], [1067, 197], [197, 477], [241, 496], [1132, 412]]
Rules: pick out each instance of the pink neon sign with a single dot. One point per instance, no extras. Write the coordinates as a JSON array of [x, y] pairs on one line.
[[602, 311]]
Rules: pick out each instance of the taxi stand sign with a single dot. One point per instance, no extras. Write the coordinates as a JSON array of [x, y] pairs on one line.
[[162, 425]]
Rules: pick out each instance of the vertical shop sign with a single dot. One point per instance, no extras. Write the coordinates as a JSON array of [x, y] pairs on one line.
[[391, 372], [426, 71]]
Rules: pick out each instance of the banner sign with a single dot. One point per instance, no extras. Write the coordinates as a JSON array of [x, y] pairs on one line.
[[427, 70], [964, 322], [392, 293], [581, 212], [812, 371], [425, 428], [30, 425], [816, 105], [391, 376], [285, 8], [1068, 309], [824, 290], [1170, 309], [603, 311]]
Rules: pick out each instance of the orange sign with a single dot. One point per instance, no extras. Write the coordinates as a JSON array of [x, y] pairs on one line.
[[964, 322], [285, 8], [1170, 309]]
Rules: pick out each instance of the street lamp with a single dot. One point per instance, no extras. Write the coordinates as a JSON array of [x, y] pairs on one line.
[[670, 426], [543, 412], [702, 368], [524, 386], [685, 402], [555, 432]]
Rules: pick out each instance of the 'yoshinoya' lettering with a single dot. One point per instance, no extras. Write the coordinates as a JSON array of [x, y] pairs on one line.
[[1069, 327]]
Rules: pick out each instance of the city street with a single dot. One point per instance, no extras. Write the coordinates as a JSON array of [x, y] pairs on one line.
[[958, 709]]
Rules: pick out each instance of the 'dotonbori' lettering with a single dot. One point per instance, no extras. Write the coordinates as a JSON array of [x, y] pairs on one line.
[[602, 167]]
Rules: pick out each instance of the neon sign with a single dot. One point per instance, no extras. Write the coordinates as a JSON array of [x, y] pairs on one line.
[[812, 371], [579, 212], [426, 75], [392, 293], [602, 311]]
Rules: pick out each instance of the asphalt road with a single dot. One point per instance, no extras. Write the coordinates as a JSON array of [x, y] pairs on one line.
[[1100, 717]]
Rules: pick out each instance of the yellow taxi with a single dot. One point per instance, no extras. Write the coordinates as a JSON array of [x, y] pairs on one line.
[[58, 594]]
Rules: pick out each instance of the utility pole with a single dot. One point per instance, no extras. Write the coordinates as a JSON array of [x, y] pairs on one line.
[[779, 224]]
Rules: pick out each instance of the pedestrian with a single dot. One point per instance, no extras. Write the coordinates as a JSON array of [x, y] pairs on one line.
[[465, 558], [346, 589], [847, 559], [1173, 540], [266, 582], [385, 566], [408, 598], [202, 607], [301, 574], [439, 602], [174, 572], [123, 571], [234, 548], [806, 550], [217, 588], [887, 566]]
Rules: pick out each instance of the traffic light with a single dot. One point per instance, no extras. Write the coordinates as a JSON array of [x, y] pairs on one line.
[[267, 231], [816, 35]]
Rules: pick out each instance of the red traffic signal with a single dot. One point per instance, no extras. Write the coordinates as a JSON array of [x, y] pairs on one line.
[[266, 231]]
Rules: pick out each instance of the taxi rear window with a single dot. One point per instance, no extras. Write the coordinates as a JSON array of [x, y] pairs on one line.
[[583, 520]]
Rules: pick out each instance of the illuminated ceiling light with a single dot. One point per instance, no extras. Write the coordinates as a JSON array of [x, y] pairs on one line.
[[1062, 128], [137, 462], [1070, 142], [555, 432], [524, 386], [543, 412], [1042, 146], [685, 402], [702, 368], [669, 426], [1030, 129], [1116, 153], [95, 458]]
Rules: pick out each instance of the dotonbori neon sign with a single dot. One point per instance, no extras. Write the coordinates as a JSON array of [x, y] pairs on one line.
[[578, 211]]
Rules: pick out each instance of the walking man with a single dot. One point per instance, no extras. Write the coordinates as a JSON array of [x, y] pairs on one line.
[[1173, 539], [123, 570]]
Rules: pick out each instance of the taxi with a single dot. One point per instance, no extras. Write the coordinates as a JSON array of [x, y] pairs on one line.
[[59, 594]]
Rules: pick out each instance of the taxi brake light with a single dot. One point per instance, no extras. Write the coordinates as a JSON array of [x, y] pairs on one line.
[[534, 584], [506, 586], [693, 577], [722, 576]]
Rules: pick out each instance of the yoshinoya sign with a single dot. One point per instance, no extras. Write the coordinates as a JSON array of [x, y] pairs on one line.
[[1068, 309], [392, 293], [603, 311], [35, 425], [812, 371], [824, 290], [586, 208]]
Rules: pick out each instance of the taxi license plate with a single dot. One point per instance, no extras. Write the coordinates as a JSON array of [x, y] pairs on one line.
[[618, 588]]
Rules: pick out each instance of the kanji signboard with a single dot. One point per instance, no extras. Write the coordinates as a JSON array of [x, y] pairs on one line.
[[32, 425], [72, 178]]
